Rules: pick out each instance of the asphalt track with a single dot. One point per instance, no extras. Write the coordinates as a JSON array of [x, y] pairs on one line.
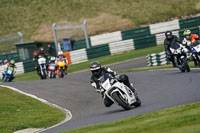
[[157, 89]]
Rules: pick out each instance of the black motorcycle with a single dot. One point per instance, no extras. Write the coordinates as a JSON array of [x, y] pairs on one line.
[[180, 57], [42, 69]]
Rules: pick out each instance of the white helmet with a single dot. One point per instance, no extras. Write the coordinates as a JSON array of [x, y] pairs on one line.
[[60, 53], [53, 58]]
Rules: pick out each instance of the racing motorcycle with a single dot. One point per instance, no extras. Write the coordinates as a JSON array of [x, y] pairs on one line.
[[180, 57], [61, 67], [118, 92], [52, 70], [42, 68], [195, 49], [8, 75]]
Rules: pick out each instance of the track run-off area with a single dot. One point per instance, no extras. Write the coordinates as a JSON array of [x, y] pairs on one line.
[[157, 90]]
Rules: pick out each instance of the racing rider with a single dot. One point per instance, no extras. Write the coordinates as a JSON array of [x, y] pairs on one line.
[[170, 40], [98, 71]]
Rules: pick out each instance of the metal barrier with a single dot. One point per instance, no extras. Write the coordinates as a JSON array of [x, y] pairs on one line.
[[157, 59]]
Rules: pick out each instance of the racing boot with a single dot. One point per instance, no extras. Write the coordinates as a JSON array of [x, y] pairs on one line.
[[132, 88]]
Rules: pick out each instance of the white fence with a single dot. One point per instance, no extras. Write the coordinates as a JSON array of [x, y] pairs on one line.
[[165, 26], [157, 59], [121, 46], [78, 56], [106, 38]]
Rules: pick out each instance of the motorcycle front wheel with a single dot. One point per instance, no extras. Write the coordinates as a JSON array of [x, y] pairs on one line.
[[197, 59], [186, 66], [138, 102], [122, 102], [62, 74], [43, 76]]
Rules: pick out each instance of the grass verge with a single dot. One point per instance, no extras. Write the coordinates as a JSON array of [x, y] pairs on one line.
[[180, 119], [18, 112]]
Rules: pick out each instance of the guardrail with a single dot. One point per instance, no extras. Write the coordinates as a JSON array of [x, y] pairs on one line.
[[121, 46], [78, 56], [157, 59]]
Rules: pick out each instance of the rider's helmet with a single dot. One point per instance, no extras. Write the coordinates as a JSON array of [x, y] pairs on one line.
[[168, 34], [12, 62], [60, 53], [187, 34], [52, 59], [95, 68], [42, 50]]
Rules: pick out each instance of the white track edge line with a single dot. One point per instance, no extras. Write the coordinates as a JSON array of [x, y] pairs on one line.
[[68, 114]]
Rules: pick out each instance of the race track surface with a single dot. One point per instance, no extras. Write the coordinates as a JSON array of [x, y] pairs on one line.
[[157, 89]]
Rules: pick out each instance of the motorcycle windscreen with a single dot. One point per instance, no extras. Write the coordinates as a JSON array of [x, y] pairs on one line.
[[41, 61], [106, 85]]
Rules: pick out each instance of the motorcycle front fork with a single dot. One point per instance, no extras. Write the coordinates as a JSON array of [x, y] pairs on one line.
[[196, 59]]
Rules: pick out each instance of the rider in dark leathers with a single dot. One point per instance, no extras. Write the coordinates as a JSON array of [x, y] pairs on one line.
[[170, 40], [39, 55], [98, 71]]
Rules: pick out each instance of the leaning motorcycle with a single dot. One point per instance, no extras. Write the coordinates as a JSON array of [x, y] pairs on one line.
[[42, 68], [61, 67], [180, 57], [8, 75], [195, 49], [118, 92]]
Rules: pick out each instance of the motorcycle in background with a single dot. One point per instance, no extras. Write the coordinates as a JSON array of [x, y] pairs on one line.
[[42, 68], [180, 57], [61, 67], [52, 68], [8, 75], [195, 49]]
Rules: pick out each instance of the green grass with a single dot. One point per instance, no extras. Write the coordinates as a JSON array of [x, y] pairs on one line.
[[180, 119], [35, 17], [18, 112]]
